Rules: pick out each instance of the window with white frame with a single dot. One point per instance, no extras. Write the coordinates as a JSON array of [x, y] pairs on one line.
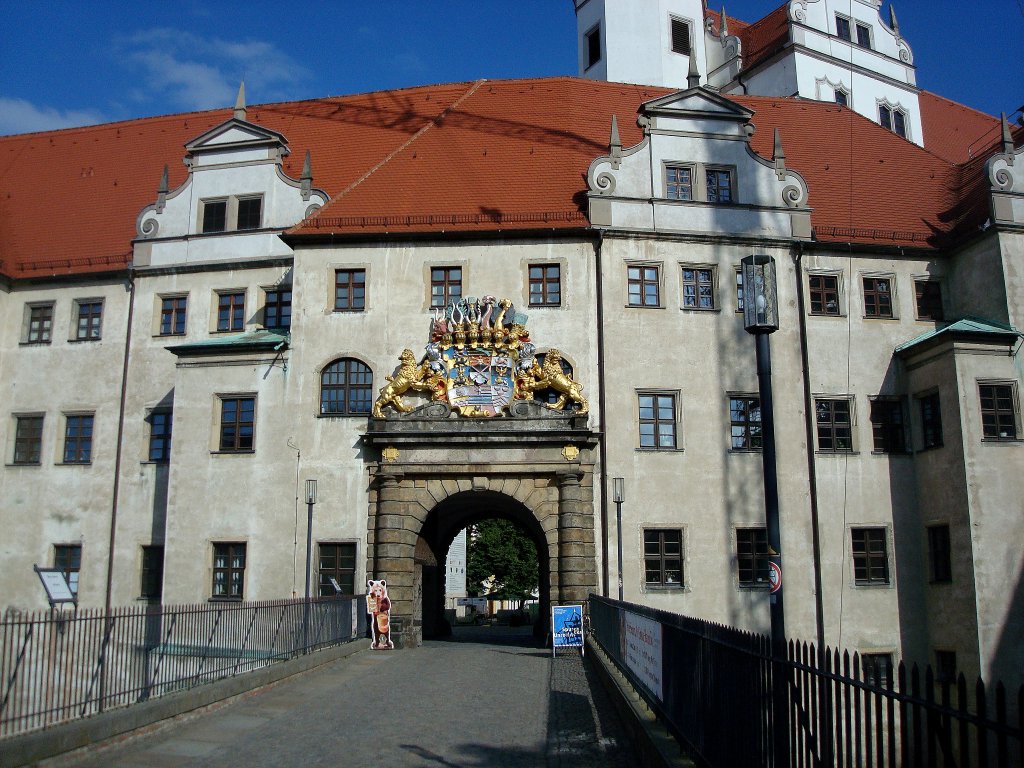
[[893, 118]]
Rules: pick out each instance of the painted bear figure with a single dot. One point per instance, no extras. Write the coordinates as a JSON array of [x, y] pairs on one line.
[[378, 605]]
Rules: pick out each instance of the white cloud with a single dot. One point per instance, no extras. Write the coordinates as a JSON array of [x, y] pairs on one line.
[[21, 116], [183, 70]]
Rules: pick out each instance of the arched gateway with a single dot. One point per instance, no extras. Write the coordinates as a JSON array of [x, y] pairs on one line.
[[481, 448]]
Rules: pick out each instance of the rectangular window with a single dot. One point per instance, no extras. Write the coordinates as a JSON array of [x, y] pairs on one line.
[[698, 287], [843, 28], [68, 559], [680, 36], [998, 411], [663, 558], [870, 558], [40, 324], [940, 562], [349, 290], [78, 439], [928, 298], [89, 320], [173, 310], [658, 421], [237, 423], [215, 215], [160, 436], [892, 120], [719, 186], [679, 182], [745, 423], [545, 285], [835, 432], [445, 285], [593, 46], [229, 571], [644, 285], [277, 311], [842, 98], [338, 562], [28, 439], [876, 669], [931, 421], [231, 311], [888, 429], [864, 36], [878, 297], [752, 557], [824, 294], [152, 572], [250, 210]]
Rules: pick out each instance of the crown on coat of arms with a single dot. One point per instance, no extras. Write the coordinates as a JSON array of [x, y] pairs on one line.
[[479, 360]]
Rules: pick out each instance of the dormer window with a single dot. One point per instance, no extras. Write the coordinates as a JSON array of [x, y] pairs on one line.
[[719, 185], [696, 181], [842, 97], [679, 182], [215, 215], [845, 27], [680, 30], [231, 214], [249, 212]]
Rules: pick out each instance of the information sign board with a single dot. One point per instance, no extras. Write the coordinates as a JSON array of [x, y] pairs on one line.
[[55, 584], [641, 648], [566, 627]]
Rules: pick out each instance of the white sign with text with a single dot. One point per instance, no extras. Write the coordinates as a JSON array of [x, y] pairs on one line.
[[641, 648]]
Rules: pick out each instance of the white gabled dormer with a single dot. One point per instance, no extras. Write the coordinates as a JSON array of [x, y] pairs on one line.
[[835, 50], [695, 173], [234, 203]]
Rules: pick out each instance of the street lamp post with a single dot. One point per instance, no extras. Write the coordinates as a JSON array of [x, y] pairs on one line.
[[619, 496], [310, 501], [761, 318]]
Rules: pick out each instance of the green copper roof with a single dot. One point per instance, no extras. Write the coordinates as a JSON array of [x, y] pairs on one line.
[[968, 326], [255, 341]]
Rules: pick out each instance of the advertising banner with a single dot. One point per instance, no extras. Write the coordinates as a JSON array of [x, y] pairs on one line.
[[566, 627], [641, 648]]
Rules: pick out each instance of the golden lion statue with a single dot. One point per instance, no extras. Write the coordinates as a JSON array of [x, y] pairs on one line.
[[410, 376], [550, 375]]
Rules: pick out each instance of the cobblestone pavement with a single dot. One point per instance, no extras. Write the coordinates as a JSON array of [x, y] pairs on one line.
[[496, 702]]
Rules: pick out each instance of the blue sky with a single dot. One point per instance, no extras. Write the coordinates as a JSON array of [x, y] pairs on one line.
[[74, 63]]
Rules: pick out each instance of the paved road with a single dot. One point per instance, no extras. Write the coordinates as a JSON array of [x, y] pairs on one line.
[[498, 701]]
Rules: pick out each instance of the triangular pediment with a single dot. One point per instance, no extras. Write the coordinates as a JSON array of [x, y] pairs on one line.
[[696, 102], [232, 134]]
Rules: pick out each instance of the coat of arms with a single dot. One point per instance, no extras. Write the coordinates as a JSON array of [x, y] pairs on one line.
[[479, 360]]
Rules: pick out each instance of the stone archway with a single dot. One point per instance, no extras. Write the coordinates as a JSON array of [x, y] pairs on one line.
[[445, 521], [430, 474]]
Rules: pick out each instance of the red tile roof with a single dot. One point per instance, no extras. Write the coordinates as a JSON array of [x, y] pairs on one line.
[[735, 25], [765, 37], [489, 155], [954, 131]]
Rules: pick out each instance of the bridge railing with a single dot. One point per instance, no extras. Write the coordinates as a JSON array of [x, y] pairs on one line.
[[712, 687], [56, 667]]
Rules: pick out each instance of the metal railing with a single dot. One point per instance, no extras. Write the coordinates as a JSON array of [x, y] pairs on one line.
[[715, 697], [56, 667]]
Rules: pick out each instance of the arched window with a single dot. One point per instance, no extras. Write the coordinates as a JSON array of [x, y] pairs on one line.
[[550, 396], [346, 388]]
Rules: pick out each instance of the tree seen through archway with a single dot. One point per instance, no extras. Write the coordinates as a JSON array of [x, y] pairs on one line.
[[501, 561]]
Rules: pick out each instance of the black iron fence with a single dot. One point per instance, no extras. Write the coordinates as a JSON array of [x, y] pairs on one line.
[[56, 667], [711, 685]]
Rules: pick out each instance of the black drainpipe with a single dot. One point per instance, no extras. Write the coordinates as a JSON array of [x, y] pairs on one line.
[[602, 443], [812, 477], [120, 439]]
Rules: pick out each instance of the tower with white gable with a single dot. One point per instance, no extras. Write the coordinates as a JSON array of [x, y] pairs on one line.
[[840, 51]]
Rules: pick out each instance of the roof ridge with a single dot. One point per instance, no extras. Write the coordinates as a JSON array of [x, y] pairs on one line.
[[432, 122]]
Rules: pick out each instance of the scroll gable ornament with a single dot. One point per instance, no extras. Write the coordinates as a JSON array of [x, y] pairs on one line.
[[479, 361]]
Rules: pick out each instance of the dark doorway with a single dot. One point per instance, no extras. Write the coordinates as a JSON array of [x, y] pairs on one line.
[[441, 527]]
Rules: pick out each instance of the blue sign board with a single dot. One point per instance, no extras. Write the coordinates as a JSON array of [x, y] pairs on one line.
[[566, 626]]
